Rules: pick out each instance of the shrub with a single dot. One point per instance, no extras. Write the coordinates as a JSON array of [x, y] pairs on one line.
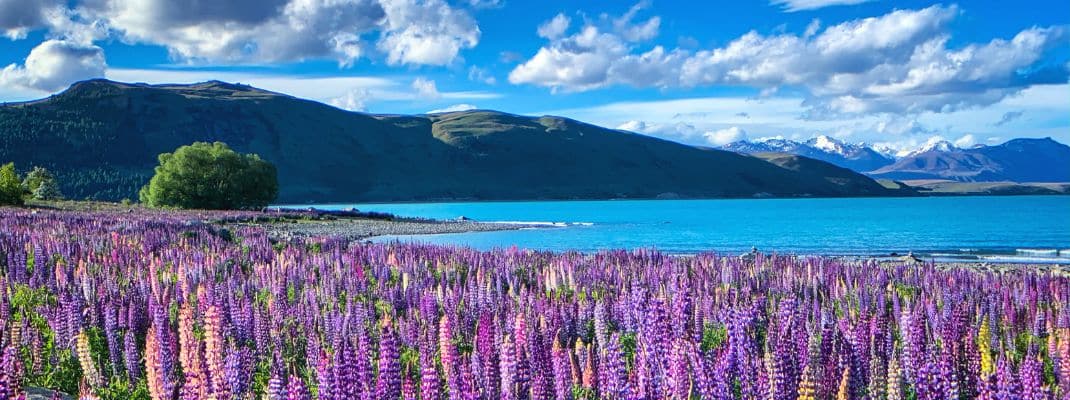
[[11, 190], [41, 185], [211, 176]]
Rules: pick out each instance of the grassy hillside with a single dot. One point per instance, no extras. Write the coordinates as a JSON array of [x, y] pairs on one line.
[[102, 138], [947, 187]]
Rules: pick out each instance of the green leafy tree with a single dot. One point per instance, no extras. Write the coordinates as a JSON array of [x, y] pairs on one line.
[[41, 185], [11, 190], [211, 176]]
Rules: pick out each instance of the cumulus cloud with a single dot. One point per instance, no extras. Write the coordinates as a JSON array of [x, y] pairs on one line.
[[55, 64], [685, 132], [406, 32], [967, 140], [801, 5], [725, 136], [554, 28], [453, 108], [599, 54], [899, 62], [18, 17], [353, 100], [426, 88], [428, 32], [478, 74]]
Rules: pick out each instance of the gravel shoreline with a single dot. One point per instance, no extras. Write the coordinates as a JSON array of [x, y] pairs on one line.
[[360, 228]]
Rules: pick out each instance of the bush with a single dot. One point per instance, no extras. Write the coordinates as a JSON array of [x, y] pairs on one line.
[[211, 176], [41, 185], [11, 190]]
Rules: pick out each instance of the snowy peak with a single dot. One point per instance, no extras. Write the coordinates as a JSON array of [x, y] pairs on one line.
[[939, 145], [828, 145], [857, 157]]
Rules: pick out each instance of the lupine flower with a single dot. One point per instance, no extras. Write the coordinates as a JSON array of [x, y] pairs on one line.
[[249, 318], [296, 389], [389, 383]]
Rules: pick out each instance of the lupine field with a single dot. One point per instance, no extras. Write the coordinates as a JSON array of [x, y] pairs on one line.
[[151, 305]]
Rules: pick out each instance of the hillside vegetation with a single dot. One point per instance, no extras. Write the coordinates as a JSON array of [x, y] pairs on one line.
[[101, 138]]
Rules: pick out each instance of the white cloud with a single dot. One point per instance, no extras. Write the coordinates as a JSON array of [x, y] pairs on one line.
[[725, 136], [800, 5], [685, 119], [406, 32], [18, 17], [353, 100], [428, 32], [554, 28], [426, 88], [478, 74], [633, 31], [453, 108], [899, 63], [966, 141], [55, 64]]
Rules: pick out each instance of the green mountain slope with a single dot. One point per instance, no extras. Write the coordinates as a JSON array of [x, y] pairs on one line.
[[102, 138]]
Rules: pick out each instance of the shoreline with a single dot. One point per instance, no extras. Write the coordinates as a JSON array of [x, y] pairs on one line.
[[367, 228], [306, 224]]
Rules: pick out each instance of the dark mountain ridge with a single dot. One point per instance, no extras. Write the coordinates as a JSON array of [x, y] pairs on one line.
[[102, 139]]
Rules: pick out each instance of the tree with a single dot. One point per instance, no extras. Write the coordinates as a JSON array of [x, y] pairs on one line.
[[41, 185], [11, 191], [211, 176]]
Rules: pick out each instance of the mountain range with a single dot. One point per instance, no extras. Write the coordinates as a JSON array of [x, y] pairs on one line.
[[1017, 160], [102, 138]]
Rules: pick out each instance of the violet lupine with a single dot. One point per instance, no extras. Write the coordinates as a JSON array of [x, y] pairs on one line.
[[562, 369], [511, 324], [429, 378], [388, 385], [507, 363], [237, 372], [10, 373], [296, 389]]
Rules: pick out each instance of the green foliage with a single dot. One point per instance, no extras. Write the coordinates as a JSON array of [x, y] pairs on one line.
[[211, 176], [41, 185], [11, 190], [713, 336], [59, 368], [582, 393], [628, 342], [122, 389]]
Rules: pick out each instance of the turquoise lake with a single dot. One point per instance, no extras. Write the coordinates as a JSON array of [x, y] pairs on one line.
[[1011, 228]]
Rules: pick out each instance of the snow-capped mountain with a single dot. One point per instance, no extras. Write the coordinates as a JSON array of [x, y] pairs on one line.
[[940, 145], [857, 157], [1018, 160]]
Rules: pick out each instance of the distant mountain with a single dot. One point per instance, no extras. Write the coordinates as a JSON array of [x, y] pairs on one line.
[[1018, 160], [856, 157], [102, 139]]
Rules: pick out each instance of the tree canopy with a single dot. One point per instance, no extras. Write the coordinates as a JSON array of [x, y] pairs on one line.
[[41, 184], [11, 190], [211, 176]]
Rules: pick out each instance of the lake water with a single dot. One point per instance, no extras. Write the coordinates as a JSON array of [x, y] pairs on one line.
[[1019, 228]]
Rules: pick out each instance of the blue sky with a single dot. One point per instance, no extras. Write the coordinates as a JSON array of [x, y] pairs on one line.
[[896, 74]]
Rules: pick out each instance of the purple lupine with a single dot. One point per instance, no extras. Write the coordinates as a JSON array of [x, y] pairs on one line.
[[296, 390], [388, 385], [429, 379], [562, 369], [237, 371], [10, 373]]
